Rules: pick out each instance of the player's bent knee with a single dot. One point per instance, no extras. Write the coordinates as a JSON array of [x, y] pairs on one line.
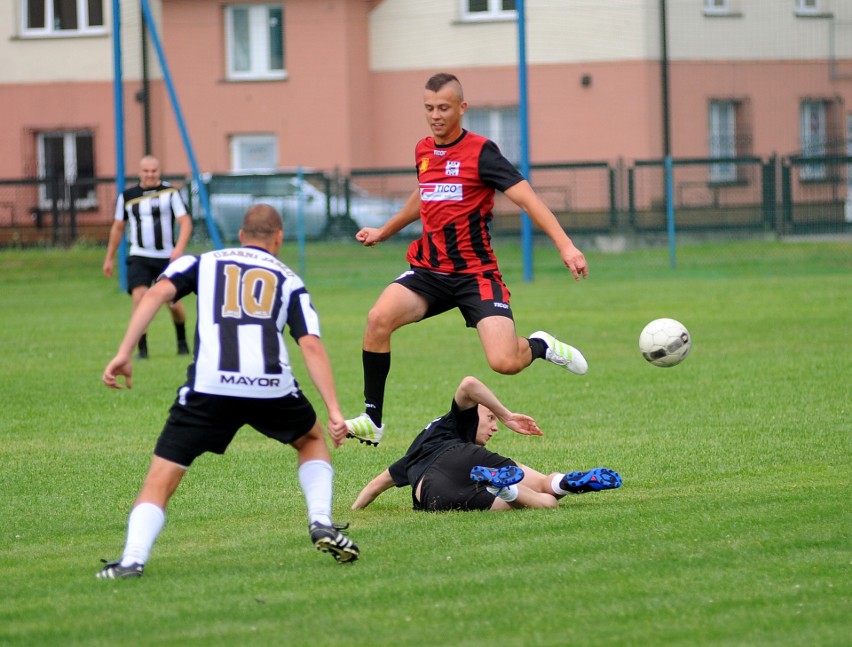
[[505, 366]]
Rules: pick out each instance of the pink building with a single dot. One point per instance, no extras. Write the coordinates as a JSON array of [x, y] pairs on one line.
[[337, 85]]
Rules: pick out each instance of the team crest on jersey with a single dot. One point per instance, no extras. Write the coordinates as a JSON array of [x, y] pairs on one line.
[[423, 165], [452, 168]]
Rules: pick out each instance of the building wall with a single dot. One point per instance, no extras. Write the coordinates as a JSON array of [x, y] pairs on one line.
[[356, 69]]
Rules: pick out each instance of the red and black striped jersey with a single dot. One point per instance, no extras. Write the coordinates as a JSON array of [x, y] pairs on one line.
[[457, 185]]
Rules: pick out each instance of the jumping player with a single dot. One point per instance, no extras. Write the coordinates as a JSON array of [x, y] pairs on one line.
[[453, 264]]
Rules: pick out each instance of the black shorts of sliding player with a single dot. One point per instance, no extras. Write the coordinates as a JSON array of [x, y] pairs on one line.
[[446, 485]]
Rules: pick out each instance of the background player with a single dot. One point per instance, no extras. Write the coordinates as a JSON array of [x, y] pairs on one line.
[[152, 208], [241, 375], [453, 264], [449, 468]]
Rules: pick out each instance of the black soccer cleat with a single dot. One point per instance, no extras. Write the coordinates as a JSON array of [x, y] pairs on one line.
[[329, 539], [115, 571], [182, 348]]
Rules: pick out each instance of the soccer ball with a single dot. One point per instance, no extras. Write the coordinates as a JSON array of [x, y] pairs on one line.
[[665, 342]]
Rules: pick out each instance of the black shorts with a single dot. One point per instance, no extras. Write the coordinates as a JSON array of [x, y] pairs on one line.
[[142, 270], [446, 485], [476, 295], [201, 423]]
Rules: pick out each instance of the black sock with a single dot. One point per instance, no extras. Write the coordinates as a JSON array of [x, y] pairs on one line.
[[538, 348], [376, 369], [180, 330], [143, 343]]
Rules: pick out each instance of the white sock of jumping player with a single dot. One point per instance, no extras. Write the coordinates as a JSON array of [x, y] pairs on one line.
[[554, 485], [143, 527], [316, 478], [508, 493]]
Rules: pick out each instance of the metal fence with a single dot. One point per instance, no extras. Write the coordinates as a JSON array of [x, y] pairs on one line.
[[743, 195]]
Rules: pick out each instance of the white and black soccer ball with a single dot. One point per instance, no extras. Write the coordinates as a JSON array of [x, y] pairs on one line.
[[665, 342]]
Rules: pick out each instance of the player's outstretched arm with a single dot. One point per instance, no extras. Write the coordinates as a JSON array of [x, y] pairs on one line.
[[523, 196], [472, 392], [116, 233], [372, 490], [370, 236], [319, 368], [163, 292]]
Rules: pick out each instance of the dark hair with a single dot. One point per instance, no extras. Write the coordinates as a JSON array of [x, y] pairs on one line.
[[438, 81]]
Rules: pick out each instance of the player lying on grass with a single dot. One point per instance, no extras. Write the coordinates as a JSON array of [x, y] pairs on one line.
[[449, 468], [241, 376]]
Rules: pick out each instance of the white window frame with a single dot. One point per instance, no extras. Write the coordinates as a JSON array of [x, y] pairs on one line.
[[259, 52], [722, 135], [51, 29], [501, 126], [69, 156], [494, 12], [813, 137], [717, 7], [807, 7], [241, 157]]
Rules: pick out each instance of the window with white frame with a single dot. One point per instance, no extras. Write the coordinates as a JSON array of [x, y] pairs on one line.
[[717, 7], [499, 125], [66, 160], [255, 153], [473, 10], [807, 6], [62, 17], [722, 139], [254, 41], [812, 138]]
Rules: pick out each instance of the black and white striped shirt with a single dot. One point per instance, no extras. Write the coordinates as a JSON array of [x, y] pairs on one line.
[[246, 297], [151, 214]]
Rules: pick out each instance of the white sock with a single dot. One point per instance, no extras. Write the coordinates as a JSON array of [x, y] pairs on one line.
[[554, 485], [143, 527], [508, 493], [316, 478]]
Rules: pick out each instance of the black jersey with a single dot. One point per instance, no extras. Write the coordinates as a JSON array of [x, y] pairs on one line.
[[245, 299], [457, 427], [151, 214]]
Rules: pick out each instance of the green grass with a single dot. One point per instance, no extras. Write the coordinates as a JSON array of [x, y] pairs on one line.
[[732, 528]]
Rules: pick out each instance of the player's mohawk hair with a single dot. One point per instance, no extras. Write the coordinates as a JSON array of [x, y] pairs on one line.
[[438, 81]]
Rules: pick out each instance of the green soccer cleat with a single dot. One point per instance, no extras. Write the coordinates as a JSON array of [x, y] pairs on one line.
[[365, 430], [562, 354]]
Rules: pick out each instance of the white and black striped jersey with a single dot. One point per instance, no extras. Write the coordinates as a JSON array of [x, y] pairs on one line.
[[151, 214], [245, 298]]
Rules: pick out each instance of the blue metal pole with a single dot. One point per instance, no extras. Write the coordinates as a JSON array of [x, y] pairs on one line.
[[184, 133], [118, 108], [300, 222], [670, 216], [526, 225]]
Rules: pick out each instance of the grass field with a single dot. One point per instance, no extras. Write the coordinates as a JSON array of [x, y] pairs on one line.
[[732, 527]]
